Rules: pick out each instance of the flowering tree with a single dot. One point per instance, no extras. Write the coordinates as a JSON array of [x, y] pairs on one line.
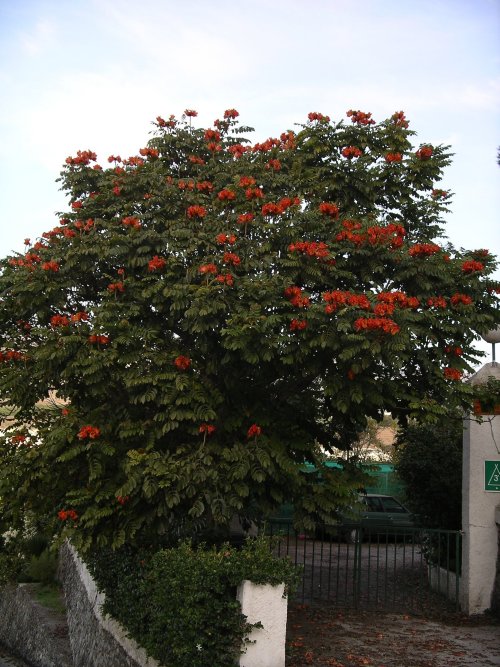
[[211, 311]]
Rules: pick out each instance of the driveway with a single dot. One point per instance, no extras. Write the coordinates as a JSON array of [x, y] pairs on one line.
[[322, 635]]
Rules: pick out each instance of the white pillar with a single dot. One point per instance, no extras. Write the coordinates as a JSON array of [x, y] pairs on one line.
[[479, 551], [264, 603]]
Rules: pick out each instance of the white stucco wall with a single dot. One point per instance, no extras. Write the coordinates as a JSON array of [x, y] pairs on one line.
[[267, 605], [479, 552]]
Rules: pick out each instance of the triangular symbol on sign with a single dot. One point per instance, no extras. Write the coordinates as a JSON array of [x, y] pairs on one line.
[[495, 475]]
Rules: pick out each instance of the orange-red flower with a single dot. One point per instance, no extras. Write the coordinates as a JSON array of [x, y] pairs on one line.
[[231, 113], [156, 263], [208, 268], [383, 324], [231, 258], [351, 152], [59, 321], [245, 218], [207, 428], [116, 287], [254, 431], [190, 113], [182, 363], [424, 153], [360, 117], [51, 266], [471, 266], [393, 157], [453, 374], [196, 212], [226, 195], [89, 432], [329, 209], [298, 325]]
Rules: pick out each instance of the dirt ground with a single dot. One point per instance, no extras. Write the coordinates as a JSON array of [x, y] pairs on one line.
[[330, 637]]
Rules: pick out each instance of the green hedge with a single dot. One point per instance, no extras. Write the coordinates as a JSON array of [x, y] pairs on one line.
[[180, 603]]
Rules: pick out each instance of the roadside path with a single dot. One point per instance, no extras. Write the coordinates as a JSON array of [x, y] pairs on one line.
[[9, 660]]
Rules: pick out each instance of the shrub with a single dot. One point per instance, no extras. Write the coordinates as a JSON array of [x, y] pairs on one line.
[[180, 603]]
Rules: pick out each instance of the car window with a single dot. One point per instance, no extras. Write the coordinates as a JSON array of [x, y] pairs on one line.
[[392, 505], [374, 504]]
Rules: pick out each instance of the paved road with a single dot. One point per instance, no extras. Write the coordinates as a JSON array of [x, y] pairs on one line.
[[8, 660]]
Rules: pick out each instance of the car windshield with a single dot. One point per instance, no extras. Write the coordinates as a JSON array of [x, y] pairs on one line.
[[391, 505]]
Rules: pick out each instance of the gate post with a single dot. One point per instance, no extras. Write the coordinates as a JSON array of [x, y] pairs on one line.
[[480, 495]]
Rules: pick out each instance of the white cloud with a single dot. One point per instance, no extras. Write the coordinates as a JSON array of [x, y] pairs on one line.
[[39, 38]]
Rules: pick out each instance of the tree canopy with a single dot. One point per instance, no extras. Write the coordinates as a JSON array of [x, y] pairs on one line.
[[211, 313]]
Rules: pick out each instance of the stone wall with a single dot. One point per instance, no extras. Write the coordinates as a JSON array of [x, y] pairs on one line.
[[96, 641], [32, 632]]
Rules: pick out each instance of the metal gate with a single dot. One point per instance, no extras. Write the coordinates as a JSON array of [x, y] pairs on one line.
[[415, 571]]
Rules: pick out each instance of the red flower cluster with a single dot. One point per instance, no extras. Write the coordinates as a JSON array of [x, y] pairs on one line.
[[85, 226], [98, 339], [392, 234], [89, 432], [156, 263], [254, 431], [360, 117], [196, 212], [471, 266], [116, 287], [314, 115], [245, 218], [11, 355], [214, 147], [393, 157], [81, 316], [231, 113], [454, 350], [295, 296], [453, 374], [399, 299], [18, 439], [195, 159], [266, 145], [182, 185], [329, 209], [82, 157], [51, 266], [437, 302], [212, 135], [134, 161], [204, 186], [190, 113], [237, 150], [377, 324], [311, 248], [63, 515], [246, 181], [339, 298], [399, 119], [182, 363], [225, 279], [59, 321], [131, 221], [274, 164], [424, 153], [226, 195], [149, 152], [461, 299], [423, 249], [207, 268], [351, 151], [298, 325], [254, 193], [231, 258], [207, 428], [122, 500], [224, 238], [116, 158], [440, 194]]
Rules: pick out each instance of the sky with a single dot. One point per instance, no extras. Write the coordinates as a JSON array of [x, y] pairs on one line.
[[94, 74]]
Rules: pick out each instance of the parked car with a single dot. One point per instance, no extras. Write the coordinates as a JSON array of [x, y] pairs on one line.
[[378, 515]]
